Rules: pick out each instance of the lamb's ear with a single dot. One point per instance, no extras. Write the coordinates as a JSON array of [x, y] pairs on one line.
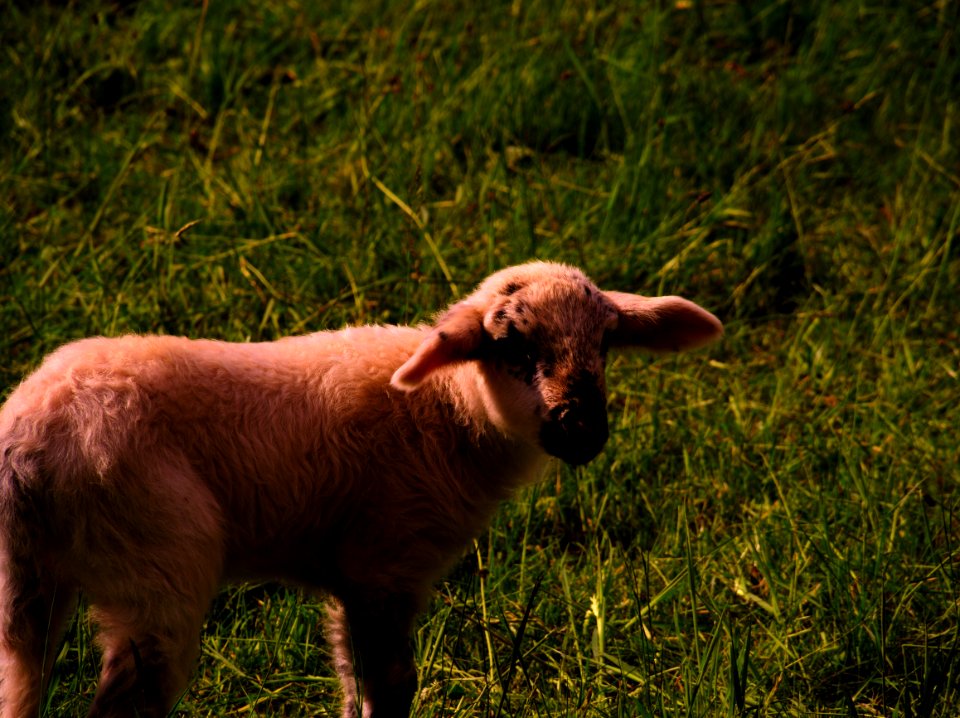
[[661, 324], [456, 335]]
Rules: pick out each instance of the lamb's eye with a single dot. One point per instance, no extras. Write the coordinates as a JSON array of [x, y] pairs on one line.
[[517, 350], [605, 345]]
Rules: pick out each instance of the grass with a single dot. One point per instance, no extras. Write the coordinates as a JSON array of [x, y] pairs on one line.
[[773, 528]]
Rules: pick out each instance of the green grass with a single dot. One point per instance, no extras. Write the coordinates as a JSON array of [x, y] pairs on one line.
[[774, 528]]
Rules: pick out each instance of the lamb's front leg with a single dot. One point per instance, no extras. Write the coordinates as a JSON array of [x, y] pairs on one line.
[[372, 655]]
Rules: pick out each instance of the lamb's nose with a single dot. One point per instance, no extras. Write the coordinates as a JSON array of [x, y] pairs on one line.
[[577, 430]]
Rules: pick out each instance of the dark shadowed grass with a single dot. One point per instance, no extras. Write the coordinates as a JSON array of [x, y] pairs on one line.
[[773, 527]]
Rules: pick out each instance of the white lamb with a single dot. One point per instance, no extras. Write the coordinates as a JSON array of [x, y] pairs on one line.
[[149, 471]]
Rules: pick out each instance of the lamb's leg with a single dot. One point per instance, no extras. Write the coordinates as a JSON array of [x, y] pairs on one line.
[[33, 614], [145, 667], [150, 599], [372, 654], [149, 628]]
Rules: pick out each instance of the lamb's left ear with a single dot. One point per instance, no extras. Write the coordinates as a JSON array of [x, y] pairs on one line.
[[661, 324], [456, 335]]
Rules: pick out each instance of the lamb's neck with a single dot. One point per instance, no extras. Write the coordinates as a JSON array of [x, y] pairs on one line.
[[519, 460]]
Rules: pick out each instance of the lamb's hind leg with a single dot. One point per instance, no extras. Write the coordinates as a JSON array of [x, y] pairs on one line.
[[149, 625], [145, 668], [149, 600], [149, 615], [372, 655], [34, 611]]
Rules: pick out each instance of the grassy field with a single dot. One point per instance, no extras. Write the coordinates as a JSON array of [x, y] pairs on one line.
[[774, 527]]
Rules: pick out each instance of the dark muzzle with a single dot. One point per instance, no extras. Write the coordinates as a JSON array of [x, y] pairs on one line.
[[576, 431]]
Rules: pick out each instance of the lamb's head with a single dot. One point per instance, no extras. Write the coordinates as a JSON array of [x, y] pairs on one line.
[[539, 334]]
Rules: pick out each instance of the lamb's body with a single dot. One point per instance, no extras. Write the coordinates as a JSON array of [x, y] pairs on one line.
[[289, 459], [148, 471], [300, 449]]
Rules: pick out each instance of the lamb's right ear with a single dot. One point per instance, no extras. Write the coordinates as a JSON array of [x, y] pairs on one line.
[[456, 335]]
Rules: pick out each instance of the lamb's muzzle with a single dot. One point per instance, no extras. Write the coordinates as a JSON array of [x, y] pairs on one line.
[[148, 471], [576, 430]]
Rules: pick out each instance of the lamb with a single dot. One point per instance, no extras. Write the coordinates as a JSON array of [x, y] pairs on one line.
[[146, 471]]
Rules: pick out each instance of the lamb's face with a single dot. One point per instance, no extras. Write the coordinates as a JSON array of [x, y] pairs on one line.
[[543, 354], [538, 334]]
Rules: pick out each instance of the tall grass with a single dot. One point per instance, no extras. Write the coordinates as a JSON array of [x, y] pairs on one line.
[[773, 528]]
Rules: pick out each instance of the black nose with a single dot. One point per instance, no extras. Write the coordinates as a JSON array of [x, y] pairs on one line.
[[576, 431]]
